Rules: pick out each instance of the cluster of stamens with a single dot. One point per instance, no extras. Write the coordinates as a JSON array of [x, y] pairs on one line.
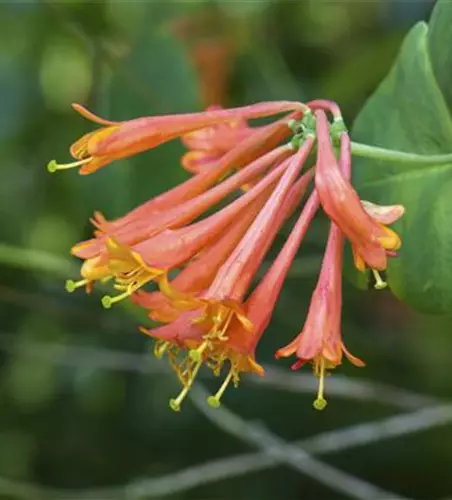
[[187, 364]]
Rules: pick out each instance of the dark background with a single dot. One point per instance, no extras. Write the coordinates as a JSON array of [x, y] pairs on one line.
[[82, 403]]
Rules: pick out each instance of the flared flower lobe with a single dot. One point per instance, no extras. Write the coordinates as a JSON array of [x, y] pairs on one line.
[[320, 341]]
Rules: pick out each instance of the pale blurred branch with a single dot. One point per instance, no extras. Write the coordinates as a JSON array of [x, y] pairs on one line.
[[35, 260], [246, 463], [347, 387], [323, 443], [276, 378], [294, 457]]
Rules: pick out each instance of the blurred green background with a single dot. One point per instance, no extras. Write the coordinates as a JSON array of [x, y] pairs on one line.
[[82, 402]]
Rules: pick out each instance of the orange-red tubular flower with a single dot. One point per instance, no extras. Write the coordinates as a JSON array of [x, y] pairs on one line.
[[236, 274], [201, 271], [151, 259], [239, 348], [95, 251], [250, 149], [118, 140], [176, 216], [223, 297], [235, 344], [207, 145], [255, 147], [372, 242], [222, 303], [320, 341]]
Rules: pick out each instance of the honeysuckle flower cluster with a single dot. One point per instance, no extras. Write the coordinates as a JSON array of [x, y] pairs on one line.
[[203, 264]]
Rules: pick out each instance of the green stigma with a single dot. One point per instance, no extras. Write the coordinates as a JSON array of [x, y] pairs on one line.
[[107, 301], [319, 404], [52, 166]]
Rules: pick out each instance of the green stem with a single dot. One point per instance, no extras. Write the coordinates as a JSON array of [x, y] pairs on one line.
[[35, 260], [390, 155]]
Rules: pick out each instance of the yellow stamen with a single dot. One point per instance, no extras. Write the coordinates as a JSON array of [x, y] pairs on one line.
[[72, 285], [221, 321], [217, 319], [160, 348], [181, 299], [215, 400], [127, 284], [175, 403], [320, 403], [108, 300], [221, 335], [130, 272], [223, 317], [53, 166], [380, 284], [216, 362]]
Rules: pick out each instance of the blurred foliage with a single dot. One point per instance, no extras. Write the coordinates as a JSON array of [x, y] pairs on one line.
[[74, 425], [422, 277]]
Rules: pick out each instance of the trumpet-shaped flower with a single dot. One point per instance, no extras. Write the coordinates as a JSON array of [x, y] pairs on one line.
[[372, 241], [189, 343], [118, 140], [153, 223], [207, 146], [226, 292], [205, 263], [133, 266], [320, 341], [248, 151], [201, 271]]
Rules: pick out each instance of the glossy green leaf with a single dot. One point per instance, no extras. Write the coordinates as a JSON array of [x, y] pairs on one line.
[[411, 111]]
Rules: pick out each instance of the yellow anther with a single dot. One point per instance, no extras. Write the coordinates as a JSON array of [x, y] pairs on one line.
[[53, 166], [320, 402], [380, 284], [175, 403], [215, 400], [72, 285], [130, 281]]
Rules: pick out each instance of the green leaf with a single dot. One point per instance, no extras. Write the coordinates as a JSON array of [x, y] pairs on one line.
[[411, 111]]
